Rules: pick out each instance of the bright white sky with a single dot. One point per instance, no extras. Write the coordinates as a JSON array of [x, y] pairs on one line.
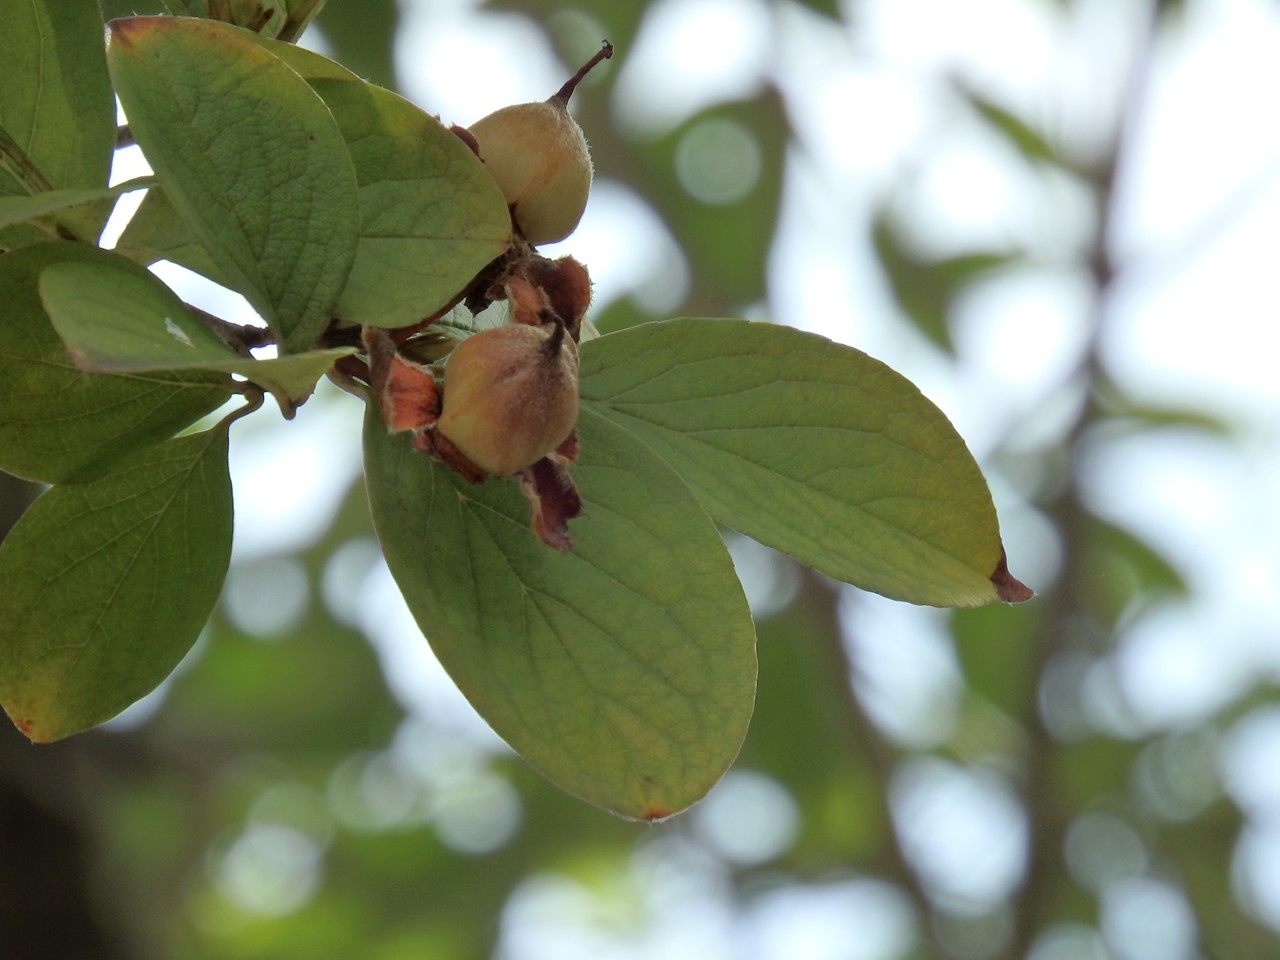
[[1193, 324]]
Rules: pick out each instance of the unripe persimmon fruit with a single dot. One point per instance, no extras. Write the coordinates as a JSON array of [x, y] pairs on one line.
[[537, 154], [511, 395]]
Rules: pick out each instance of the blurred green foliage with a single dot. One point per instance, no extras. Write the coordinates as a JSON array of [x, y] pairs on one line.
[[285, 800]]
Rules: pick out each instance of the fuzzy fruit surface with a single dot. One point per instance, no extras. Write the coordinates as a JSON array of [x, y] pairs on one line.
[[511, 396], [537, 154]]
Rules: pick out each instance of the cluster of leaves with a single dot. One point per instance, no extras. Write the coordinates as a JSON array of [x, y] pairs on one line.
[[625, 670]]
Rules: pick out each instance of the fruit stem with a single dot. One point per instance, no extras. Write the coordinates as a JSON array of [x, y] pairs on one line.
[[552, 346], [565, 92]]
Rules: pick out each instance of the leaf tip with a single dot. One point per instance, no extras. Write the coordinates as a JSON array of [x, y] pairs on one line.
[[124, 31], [1008, 587], [27, 727], [656, 812]]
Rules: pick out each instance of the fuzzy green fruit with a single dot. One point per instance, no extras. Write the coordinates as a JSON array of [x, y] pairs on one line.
[[511, 396], [538, 156]]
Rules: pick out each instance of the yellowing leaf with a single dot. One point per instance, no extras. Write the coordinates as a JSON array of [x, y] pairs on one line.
[[108, 583]]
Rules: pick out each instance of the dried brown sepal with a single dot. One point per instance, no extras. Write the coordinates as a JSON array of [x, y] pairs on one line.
[[567, 452], [553, 501], [564, 284], [410, 399], [539, 290], [407, 395], [527, 304]]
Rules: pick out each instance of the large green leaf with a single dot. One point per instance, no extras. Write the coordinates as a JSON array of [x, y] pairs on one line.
[[115, 316], [56, 102], [108, 583], [623, 670], [157, 231], [431, 216], [57, 421], [250, 157], [811, 447]]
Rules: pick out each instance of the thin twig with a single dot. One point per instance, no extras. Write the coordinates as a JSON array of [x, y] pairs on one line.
[[239, 337]]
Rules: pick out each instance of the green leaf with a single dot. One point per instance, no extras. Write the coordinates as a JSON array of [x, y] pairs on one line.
[[108, 583], [156, 231], [810, 447], [431, 215], [17, 209], [115, 317], [424, 199], [112, 9], [21, 235], [56, 102], [624, 670], [187, 8], [250, 157], [58, 422], [308, 64]]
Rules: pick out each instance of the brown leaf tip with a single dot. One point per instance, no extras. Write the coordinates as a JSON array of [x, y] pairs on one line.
[[127, 30], [655, 813], [1008, 587]]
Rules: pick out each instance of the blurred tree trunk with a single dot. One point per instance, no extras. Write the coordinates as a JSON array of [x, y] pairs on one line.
[[48, 908]]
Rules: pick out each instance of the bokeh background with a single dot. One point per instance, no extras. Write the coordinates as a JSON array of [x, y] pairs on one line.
[[1059, 218]]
